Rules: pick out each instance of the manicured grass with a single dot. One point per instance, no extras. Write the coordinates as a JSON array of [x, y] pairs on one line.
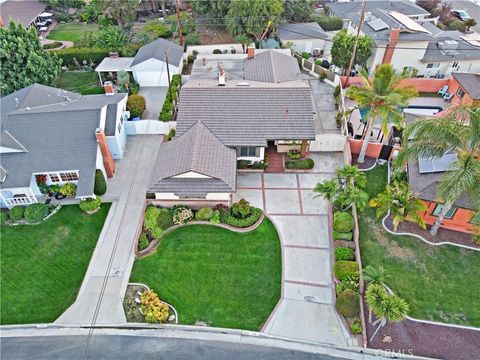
[[42, 266], [216, 276], [440, 283], [74, 31], [84, 82]]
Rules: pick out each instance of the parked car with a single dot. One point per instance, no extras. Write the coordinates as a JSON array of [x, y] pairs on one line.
[[461, 14]]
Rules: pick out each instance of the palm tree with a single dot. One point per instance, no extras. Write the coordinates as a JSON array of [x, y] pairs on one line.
[[328, 190], [383, 96], [244, 40], [374, 298], [353, 173], [469, 23], [457, 132], [375, 275], [352, 195], [403, 205]]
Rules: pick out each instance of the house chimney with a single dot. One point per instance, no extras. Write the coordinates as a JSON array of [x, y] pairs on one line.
[[106, 154], [113, 55], [250, 52], [108, 88], [392, 43], [221, 75]]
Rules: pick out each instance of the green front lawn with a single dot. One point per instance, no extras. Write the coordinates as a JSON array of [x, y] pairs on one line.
[[74, 31], [216, 276], [42, 266], [440, 283], [84, 82]]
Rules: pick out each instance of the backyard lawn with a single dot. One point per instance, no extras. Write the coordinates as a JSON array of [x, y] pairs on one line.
[[42, 266], [74, 31], [440, 283], [83, 82], [216, 277]]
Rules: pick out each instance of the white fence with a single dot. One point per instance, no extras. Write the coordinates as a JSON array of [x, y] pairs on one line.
[[148, 127], [208, 49]]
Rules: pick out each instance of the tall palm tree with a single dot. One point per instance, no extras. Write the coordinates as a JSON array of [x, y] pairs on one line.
[[457, 132], [383, 96], [329, 190], [353, 173]]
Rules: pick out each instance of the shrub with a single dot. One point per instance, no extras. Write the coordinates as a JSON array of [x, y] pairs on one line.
[[329, 23], [302, 164], [153, 309], [3, 217], [336, 92], [100, 186], [94, 55], [342, 235], [165, 219], [356, 327], [192, 39], [243, 164], [182, 215], [294, 154], [68, 189], [305, 55], [171, 134], [150, 222], [223, 210], [135, 89], [63, 17], [215, 219], [343, 253], [166, 114], [204, 214], [217, 51], [156, 29], [323, 75], [348, 303], [351, 282], [342, 221], [344, 268], [457, 25], [136, 105], [54, 189], [35, 212], [53, 45], [90, 204], [16, 213], [241, 209], [143, 242], [251, 219]]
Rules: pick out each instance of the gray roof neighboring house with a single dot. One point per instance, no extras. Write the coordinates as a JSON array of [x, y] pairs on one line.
[[111, 119], [406, 7], [156, 50], [463, 51], [199, 151], [54, 130], [248, 113], [469, 82], [272, 67], [301, 31], [22, 11]]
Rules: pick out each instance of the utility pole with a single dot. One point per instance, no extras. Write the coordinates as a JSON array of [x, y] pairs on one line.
[[359, 28], [179, 28]]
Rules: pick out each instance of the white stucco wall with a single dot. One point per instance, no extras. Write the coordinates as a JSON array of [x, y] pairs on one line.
[[192, 175], [210, 196], [153, 72], [408, 54], [306, 45], [99, 162], [446, 68]]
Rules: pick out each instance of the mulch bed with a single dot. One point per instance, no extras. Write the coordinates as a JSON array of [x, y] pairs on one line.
[[411, 337], [442, 235], [368, 163]]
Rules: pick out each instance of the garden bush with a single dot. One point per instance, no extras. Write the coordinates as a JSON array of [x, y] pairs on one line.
[[54, 45], [348, 304], [68, 189], [63, 17], [16, 213], [215, 219], [294, 154], [165, 219], [241, 209], [100, 186], [323, 75], [351, 282], [223, 211], [344, 268], [90, 204], [348, 236], [150, 222], [156, 29], [342, 221], [329, 23], [356, 327], [251, 219], [204, 214], [143, 242], [166, 114], [136, 105], [305, 55], [153, 309], [303, 164], [182, 214], [343, 253], [457, 25], [35, 212], [192, 39]]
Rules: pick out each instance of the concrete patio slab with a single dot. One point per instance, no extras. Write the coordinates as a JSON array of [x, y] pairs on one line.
[[303, 230], [280, 181], [255, 197], [252, 180], [282, 202], [327, 162], [312, 204], [308, 181], [314, 294], [307, 265]]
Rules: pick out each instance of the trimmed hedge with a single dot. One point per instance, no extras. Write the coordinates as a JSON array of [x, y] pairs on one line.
[[348, 304], [166, 114], [100, 186], [342, 221], [35, 212], [16, 213], [329, 23], [302, 164], [344, 268], [94, 55], [251, 219], [204, 214], [342, 235], [344, 253]]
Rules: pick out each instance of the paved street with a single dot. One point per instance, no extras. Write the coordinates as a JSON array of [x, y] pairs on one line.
[[472, 9], [115, 246]]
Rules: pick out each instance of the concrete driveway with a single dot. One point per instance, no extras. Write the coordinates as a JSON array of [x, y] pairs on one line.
[[154, 98], [306, 310]]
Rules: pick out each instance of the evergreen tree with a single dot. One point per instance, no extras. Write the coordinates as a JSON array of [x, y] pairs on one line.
[[213, 10], [298, 10]]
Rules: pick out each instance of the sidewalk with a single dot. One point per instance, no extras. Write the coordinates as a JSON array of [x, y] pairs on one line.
[[126, 190]]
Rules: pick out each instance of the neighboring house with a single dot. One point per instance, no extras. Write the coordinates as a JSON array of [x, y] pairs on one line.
[[304, 36], [24, 12], [424, 175], [467, 89], [238, 105], [60, 134], [149, 66], [405, 38]]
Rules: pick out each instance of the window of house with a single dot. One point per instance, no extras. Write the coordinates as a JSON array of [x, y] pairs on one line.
[[69, 176], [460, 92], [455, 64], [248, 151], [433, 65], [54, 178], [450, 213]]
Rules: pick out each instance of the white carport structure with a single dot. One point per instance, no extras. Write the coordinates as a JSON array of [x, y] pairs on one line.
[[114, 65]]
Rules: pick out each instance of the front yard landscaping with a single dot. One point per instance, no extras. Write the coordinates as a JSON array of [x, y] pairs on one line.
[[74, 31], [216, 277], [83, 82], [438, 282], [42, 266]]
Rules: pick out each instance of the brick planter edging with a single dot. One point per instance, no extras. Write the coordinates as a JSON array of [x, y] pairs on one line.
[[151, 247]]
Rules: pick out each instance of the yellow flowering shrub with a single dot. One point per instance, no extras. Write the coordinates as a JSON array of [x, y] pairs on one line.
[[153, 309]]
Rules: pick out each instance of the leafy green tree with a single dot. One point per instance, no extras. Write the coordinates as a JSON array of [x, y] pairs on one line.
[[457, 132], [428, 5], [298, 10], [342, 49], [242, 39], [383, 96], [328, 23], [403, 205], [188, 23], [123, 12], [251, 17], [213, 10], [112, 38], [23, 61], [470, 23], [64, 4], [353, 174], [329, 190]]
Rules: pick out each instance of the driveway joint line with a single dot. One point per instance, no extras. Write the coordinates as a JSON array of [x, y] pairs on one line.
[[263, 195], [300, 203], [307, 283], [306, 247]]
